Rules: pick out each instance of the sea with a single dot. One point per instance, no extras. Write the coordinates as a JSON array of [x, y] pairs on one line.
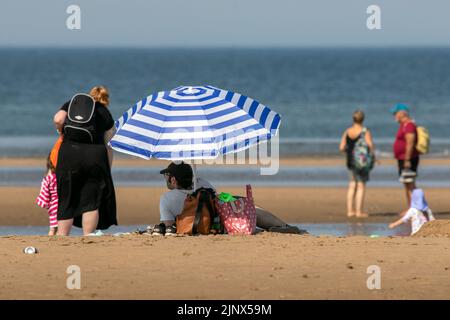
[[315, 90]]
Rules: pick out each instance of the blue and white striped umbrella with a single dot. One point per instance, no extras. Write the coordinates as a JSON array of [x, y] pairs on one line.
[[193, 123]]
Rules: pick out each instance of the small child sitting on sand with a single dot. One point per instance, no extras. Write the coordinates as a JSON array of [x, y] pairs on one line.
[[48, 197], [419, 213]]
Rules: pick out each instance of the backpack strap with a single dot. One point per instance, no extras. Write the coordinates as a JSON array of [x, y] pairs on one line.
[[212, 211], [362, 135], [198, 213], [249, 192], [204, 198]]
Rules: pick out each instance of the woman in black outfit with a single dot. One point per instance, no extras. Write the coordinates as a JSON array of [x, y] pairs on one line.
[[85, 187]]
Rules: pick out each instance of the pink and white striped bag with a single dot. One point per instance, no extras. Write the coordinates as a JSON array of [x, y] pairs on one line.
[[239, 216]]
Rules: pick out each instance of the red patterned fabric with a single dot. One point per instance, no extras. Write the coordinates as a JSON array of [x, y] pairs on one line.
[[239, 216], [48, 198]]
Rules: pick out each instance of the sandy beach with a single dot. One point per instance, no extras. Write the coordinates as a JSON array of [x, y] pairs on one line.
[[295, 205], [294, 99], [140, 205], [265, 266]]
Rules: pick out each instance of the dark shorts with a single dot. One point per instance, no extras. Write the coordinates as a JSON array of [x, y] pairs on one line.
[[414, 165], [357, 176]]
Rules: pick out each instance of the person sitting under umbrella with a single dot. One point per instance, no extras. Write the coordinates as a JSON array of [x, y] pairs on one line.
[[179, 180]]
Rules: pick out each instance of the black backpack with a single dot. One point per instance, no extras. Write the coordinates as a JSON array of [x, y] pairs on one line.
[[80, 121]]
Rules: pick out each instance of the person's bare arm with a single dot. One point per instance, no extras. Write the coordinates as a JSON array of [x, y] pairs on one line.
[[343, 144], [108, 136], [59, 119], [410, 140], [396, 223]]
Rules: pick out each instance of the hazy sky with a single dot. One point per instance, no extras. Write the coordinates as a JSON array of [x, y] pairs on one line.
[[224, 23]]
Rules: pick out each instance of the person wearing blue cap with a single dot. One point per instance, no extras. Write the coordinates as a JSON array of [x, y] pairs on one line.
[[399, 107], [405, 149]]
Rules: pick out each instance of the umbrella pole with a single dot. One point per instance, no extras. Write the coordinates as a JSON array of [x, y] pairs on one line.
[[194, 173]]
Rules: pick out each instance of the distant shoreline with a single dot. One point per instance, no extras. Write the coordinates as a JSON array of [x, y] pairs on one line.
[[301, 161]]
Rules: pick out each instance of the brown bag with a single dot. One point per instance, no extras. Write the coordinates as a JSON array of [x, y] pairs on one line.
[[198, 213]]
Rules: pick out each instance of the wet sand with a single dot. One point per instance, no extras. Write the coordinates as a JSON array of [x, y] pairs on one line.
[[296, 205], [265, 266]]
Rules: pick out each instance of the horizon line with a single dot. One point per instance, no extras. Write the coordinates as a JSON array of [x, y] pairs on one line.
[[224, 47]]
